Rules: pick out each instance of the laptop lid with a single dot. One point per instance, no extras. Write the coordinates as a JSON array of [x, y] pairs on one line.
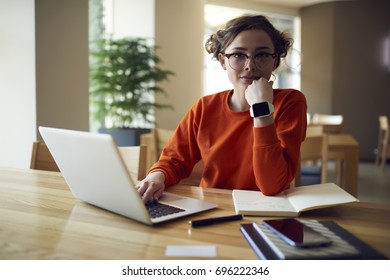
[[95, 173]]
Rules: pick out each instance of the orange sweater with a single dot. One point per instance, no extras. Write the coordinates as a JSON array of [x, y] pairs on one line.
[[235, 154]]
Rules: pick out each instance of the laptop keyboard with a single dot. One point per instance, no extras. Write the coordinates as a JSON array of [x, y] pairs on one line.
[[157, 209]]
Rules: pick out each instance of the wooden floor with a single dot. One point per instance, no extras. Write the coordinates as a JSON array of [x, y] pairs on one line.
[[373, 185]]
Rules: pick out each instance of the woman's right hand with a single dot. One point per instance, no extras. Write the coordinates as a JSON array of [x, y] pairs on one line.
[[152, 187]]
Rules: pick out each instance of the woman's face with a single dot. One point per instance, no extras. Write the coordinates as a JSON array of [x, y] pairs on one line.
[[256, 44]]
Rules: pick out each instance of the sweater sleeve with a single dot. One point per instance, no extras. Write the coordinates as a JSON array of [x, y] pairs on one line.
[[276, 147], [181, 152]]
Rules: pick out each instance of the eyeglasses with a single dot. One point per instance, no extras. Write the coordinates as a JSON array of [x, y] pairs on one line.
[[238, 60]]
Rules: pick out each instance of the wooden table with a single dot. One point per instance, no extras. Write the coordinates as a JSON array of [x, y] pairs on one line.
[[40, 219], [345, 148]]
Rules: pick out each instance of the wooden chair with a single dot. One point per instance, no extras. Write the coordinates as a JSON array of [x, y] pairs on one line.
[[327, 119], [329, 123], [337, 157], [41, 158], [308, 118], [313, 149], [314, 130], [297, 179], [134, 158], [383, 151], [329, 128], [160, 138]]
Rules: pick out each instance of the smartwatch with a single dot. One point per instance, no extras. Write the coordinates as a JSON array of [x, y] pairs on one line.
[[262, 109]]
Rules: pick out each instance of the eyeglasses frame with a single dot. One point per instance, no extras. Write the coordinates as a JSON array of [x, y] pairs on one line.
[[228, 55]]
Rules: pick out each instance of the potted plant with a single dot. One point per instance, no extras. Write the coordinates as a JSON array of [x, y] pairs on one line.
[[124, 78]]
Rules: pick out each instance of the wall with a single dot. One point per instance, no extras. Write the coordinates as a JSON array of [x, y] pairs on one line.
[[17, 82], [269, 8], [361, 80], [343, 71], [179, 33], [317, 57], [43, 72], [62, 63]]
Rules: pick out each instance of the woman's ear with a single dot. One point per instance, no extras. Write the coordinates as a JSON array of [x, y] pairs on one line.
[[221, 59]]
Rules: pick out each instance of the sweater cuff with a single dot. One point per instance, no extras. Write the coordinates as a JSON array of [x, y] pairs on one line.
[[265, 136]]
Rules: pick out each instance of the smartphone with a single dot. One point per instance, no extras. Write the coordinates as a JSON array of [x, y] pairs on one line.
[[296, 233]]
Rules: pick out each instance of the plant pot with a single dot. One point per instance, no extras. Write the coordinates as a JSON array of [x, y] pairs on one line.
[[125, 136]]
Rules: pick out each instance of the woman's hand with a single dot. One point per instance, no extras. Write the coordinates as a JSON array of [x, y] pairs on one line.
[[152, 187], [259, 91]]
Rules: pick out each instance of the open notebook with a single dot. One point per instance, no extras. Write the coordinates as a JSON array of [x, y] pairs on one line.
[[291, 202], [95, 173]]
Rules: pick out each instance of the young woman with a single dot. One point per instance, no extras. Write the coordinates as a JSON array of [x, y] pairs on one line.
[[248, 137]]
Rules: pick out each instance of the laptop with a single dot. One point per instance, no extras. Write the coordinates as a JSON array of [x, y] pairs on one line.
[[96, 173]]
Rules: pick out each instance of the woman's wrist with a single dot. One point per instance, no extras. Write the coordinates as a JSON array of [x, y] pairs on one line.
[[263, 121], [158, 174]]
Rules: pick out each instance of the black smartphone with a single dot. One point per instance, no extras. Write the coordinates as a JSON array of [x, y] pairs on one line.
[[296, 233]]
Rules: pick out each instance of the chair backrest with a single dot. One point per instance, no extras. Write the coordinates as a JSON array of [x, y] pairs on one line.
[[297, 179], [333, 128], [41, 158], [329, 123], [160, 138], [383, 152], [135, 159], [316, 148], [314, 130], [327, 119], [311, 131], [384, 124], [308, 118], [325, 128]]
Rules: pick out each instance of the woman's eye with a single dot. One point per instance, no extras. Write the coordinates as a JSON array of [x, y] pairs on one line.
[[239, 56], [262, 55]]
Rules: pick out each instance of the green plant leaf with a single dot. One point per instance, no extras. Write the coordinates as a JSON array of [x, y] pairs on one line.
[[124, 80]]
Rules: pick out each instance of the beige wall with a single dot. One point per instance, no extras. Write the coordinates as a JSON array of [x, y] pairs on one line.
[[270, 7], [62, 63], [179, 33], [343, 71], [317, 57]]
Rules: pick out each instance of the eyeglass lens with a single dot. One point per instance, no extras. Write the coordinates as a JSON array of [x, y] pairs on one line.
[[238, 61]]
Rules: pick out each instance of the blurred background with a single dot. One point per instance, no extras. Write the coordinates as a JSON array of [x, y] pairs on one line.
[[340, 60]]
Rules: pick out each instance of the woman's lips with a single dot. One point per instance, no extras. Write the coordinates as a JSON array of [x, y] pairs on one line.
[[249, 79]]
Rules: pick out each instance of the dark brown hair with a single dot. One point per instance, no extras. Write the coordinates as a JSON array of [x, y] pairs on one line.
[[219, 41]]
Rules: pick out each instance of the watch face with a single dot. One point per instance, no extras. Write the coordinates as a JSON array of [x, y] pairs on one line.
[[260, 109]]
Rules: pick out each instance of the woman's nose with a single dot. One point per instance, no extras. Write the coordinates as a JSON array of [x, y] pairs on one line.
[[250, 63]]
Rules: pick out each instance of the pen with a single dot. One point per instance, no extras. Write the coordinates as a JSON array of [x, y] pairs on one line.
[[210, 221]]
